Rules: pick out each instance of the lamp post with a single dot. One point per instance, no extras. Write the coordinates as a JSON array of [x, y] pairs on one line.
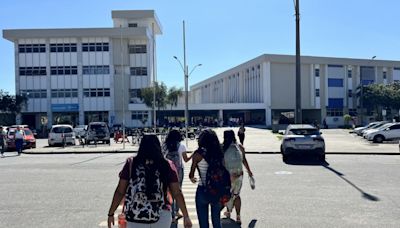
[[186, 77], [298, 112], [123, 92]]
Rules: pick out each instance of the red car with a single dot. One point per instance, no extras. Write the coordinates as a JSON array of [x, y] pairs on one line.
[[29, 138]]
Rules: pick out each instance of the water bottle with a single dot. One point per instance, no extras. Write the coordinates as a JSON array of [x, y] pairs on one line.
[[252, 182], [121, 220]]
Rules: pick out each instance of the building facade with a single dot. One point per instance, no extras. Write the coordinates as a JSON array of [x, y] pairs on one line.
[[262, 90], [80, 75]]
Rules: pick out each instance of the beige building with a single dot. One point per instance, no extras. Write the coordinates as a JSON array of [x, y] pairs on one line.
[[79, 75], [262, 90]]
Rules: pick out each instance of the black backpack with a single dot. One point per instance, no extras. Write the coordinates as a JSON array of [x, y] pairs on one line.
[[139, 207], [218, 181]]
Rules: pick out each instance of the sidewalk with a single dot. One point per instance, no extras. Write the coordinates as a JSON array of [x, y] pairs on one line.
[[338, 141]]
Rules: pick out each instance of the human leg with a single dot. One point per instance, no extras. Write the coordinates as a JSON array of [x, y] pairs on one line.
[[202, 207], [215, 215], [238, 204]]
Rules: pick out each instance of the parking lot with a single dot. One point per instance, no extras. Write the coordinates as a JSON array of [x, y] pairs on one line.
[[257, 140]]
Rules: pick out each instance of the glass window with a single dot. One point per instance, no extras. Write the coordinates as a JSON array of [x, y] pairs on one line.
[[384, 75], [317, 92], [86, 93], [93, 93], [107, 92], [316, 72], [335, 82], [350, 93], [349, 73]]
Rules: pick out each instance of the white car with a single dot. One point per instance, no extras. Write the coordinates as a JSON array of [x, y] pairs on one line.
[[358, 130], [61, 132], [377, 125], [375, 128], [302, 139], [389, 132], [80, 130]]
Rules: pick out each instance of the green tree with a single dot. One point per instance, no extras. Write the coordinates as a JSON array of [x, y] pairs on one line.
[[147, 95], [173, 96], [11, 103]]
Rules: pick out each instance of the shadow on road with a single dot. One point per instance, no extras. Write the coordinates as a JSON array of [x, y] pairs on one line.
[[310, 161], [365, 195]]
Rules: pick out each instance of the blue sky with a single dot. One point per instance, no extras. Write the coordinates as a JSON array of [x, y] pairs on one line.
[[221, 34]]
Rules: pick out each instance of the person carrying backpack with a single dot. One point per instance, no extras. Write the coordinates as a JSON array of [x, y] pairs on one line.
[[234, 157], [175, 151], [147, 181], [214, 184]]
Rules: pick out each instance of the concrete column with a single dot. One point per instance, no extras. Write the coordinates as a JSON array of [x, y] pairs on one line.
[[221, 117], [49, 112], [80, 83]]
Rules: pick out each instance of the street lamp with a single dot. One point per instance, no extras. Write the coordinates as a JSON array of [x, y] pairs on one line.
[[186, 77], [298, 112]]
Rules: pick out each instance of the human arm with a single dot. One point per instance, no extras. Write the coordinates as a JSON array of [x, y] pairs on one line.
[[185, 157], [196, 158], [178, 196], [118, 195], [244, 161]]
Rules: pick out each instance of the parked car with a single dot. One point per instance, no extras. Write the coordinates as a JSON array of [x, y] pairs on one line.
[[358, 130], [374, 128], [302, 139], [80, 130], [389, 132], [61, 132], [29, 138], [97, 132]]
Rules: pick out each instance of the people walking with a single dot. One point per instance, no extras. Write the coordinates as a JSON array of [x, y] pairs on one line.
[[234, 157], [2, 141], [146, 181], [19, 140], [175, 151], [208, 160], [241, 131]]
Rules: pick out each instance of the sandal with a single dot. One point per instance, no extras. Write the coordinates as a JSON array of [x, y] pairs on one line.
[[238, 221], [227, 214]]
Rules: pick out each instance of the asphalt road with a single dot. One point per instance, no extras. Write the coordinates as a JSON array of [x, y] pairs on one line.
[[70, 190]]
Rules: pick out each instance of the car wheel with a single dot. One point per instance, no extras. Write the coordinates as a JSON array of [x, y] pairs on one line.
[[378, 139], [285, 158], [322, 157]]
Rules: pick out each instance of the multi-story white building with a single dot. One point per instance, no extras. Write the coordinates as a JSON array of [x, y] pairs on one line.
[[78, 75], [260, 90]]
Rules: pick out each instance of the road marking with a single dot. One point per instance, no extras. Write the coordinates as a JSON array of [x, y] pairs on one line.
[[283, 173]]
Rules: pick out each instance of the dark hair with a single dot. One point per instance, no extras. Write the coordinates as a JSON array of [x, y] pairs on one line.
[[229, 138], [209, 141], [150, 150], [172, 140]]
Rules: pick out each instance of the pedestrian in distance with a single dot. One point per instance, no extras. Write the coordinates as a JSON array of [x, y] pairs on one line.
[[147, 181], [234, 158], [175, 151], [19, 140], [241, 131], [3, 134], [214, 184]]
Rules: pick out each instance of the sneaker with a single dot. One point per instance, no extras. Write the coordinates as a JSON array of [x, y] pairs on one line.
[[2, 156]]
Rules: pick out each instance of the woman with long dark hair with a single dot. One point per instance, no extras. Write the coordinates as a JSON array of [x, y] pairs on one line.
[[234, 157], [145, 181], [209, 150], [175, 151]]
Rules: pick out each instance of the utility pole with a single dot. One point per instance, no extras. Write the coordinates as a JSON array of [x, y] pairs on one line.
[[298, 112], [186, 85]]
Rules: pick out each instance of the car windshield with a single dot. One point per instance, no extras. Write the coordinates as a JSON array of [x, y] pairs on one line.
[[97, 127], [80, 126], [28, 132], [383, 126], [62, 130], [304, 132]]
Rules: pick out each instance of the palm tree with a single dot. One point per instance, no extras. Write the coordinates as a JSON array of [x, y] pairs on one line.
[[173, 96]]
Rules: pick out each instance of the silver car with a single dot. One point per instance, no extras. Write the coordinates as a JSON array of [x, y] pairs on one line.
[[302, 139]]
